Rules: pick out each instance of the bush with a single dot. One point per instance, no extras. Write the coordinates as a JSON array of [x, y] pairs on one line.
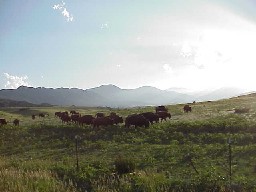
[[124, 165]]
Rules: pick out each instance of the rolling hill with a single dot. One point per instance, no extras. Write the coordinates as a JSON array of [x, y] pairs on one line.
[[109, 96]]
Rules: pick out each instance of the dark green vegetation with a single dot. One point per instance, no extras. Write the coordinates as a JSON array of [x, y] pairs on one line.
[[190, 152]]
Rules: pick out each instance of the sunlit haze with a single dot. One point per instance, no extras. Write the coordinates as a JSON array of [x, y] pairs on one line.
[[190, 44]]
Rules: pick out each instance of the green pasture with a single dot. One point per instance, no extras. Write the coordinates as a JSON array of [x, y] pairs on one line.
[[189, 152]]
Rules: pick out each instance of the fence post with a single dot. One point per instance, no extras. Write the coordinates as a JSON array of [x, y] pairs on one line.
[[230, 160], [77, 162]]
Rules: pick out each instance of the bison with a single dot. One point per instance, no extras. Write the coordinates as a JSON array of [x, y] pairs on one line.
[[16, 122], [136, 120], [41, 115], [3, 121], [187, 108], [161, 108], [152, 117], [75, 117], [65, 118], [163, 115], [117, 119], [99, 114], [33, 116], [60, 114], [102, 121], [86, 119], [73, 112]]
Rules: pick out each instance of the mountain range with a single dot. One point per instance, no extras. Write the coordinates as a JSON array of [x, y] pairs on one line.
[[112, 96]]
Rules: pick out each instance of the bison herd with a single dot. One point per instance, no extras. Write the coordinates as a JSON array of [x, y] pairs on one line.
[[100, 119], [3, 121]]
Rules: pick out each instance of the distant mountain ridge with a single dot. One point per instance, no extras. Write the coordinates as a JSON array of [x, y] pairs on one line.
[[108, 96]]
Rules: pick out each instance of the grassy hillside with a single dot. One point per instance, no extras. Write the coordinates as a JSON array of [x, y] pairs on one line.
[[189, 152]]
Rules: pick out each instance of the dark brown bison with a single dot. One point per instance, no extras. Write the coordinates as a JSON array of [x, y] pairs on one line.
[[161, 108], [41, 115], [152, 117], [102, 121], [3, 121], [75, 117], [163, 115], [60, 114], [65, 119], [33, 116], [112, 114], [137, 120], [99, 114], [117, 119], [187, 108], [86, 119], [16, 122], [73, 112]]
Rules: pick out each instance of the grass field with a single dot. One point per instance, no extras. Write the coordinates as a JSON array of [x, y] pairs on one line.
[[189, 152]]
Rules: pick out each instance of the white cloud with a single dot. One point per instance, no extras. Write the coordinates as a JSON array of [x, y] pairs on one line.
[[167, 68], [64, 11], [13, 82], [186, 50], [104, 26]]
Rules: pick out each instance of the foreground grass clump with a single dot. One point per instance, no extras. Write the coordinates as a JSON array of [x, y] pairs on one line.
[[18, 180]]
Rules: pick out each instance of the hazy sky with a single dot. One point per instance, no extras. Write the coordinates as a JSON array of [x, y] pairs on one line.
[[193, 44]]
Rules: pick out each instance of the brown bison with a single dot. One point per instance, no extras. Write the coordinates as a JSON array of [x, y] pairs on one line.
[[75, 117], [16, 122], [102, 121], [33, 116], [187, 108], [99, 114], [60, 114], [161, 108], [65, 119], [57, 114], [74, 112], [3, 121], [116, 119], [42, 115], [163, 115], [152, 117], [136, 120], [86, 119]]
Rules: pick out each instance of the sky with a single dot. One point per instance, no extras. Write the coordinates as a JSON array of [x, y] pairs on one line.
[[190, 44]]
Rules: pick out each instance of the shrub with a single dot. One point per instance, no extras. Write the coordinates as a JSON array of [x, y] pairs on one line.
[[124, 165]]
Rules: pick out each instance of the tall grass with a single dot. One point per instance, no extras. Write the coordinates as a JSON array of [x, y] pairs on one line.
[[18, 180]]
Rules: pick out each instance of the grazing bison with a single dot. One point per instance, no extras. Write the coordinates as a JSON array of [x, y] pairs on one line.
[[3, 121], [161, 108], [86, 119], [33, 116], [136, 120], [187, 108], [75, 117], [41, 115], [60, 114], [117, 119], [73, 112], [163, 115], [102, 121], [99, 114], [65, 119], [152, 117], [16, 122]]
